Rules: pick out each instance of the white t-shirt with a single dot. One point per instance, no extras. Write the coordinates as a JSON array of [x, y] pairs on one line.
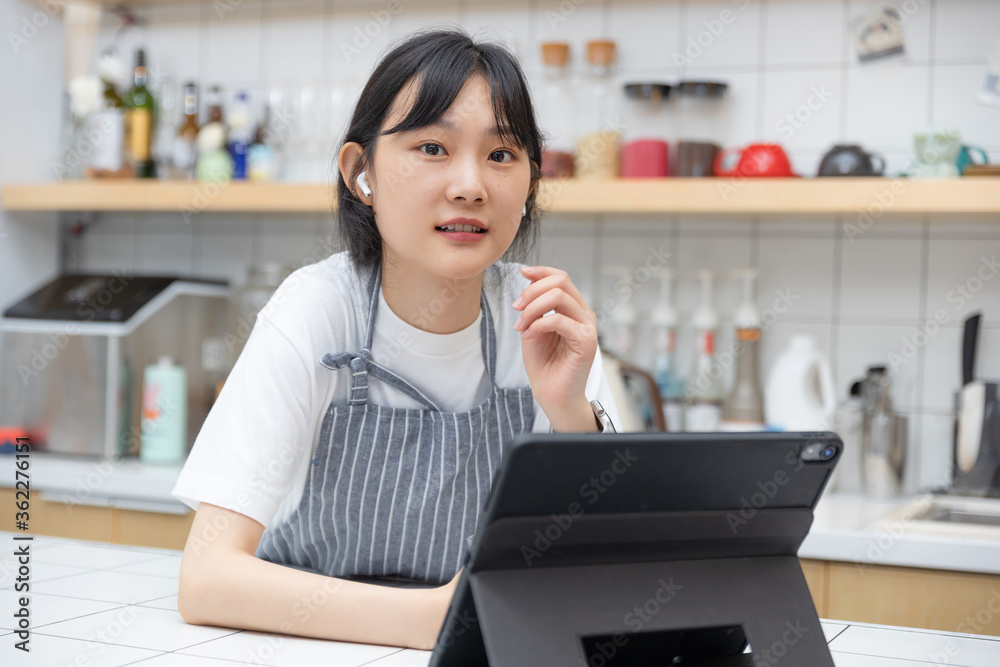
[[253, 452]]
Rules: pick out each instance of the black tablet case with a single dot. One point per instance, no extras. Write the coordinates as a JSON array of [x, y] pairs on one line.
[[700, 529]]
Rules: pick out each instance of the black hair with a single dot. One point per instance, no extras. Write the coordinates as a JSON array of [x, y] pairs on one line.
[[440, 61]]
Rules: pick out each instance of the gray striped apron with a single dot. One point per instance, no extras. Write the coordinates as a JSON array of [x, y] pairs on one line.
[[394, 491]]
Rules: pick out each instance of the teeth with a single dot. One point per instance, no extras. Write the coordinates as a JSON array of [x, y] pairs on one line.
[[460, 228]]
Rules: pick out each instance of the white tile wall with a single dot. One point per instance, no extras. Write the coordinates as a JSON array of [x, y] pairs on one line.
[[861, 297], [793, 40]]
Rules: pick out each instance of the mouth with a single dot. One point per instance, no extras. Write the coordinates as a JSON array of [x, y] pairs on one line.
[[462, 225]]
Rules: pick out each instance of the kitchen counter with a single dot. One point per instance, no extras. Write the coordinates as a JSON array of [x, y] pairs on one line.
[[847, 528], [856, 529], [101, 604]]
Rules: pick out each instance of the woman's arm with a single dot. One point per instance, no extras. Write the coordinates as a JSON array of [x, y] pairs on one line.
[[223, 583]]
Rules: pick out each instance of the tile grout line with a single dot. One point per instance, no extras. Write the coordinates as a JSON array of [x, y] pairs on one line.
[[916, 449], [835, 322], [761, 70]]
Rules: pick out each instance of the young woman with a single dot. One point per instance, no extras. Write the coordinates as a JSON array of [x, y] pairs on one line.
[[359, 431]]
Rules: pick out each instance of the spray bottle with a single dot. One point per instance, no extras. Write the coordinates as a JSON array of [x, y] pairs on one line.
[[668, 380], [704, 390], [622, 320], [743, 409]]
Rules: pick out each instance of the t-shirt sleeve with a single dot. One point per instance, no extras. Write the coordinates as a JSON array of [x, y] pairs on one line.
[[597, 389], [257, 432]]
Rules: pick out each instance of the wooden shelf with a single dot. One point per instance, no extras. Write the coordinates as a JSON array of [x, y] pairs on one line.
[[671, 195]]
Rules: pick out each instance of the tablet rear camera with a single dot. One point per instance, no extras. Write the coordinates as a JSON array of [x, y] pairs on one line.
[[817, 451]]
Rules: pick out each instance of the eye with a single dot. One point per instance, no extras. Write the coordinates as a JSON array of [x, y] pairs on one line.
[[501, 153], [434, 149]]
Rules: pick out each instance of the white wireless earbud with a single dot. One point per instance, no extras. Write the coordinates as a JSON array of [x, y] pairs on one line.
[[363, 184], [524, 211]]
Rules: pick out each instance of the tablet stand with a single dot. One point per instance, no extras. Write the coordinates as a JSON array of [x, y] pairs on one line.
[[647, 588]]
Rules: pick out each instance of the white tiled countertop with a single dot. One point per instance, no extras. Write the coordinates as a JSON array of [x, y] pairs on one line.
[[843, 529], [102, 604]]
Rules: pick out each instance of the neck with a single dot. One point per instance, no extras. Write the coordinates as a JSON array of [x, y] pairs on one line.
[[430, 302]]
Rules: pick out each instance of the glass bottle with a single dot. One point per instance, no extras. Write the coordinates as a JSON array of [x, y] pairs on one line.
[[214, 102], [557, 111], [240, 133], [185, 141], [260, 155], [665, 372], [743, 409], [167, 108], [704, 390], [600, 127], [139, 121]]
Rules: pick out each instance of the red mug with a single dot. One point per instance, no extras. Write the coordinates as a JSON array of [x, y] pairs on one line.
[[644, 158], [756, 160]]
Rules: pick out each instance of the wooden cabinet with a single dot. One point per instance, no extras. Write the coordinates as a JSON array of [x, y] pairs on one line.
[[905, 596], [102, 524]]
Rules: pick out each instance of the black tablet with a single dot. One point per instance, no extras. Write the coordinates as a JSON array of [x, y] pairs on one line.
[[562, 499]]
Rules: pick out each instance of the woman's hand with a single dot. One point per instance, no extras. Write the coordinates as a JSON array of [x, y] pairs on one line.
[[558, 349]]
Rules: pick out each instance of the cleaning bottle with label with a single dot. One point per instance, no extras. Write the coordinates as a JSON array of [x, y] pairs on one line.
[[703, 392], [668, 380], [743, 409], [163, 437]]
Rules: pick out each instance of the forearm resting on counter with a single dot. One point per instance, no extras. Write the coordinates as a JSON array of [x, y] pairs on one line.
[[225, 584]]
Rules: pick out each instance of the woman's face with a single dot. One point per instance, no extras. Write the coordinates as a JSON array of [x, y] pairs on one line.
[[454, 168]]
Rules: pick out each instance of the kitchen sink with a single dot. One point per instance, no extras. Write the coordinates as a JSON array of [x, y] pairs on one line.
[[944, 515], [951, 515]]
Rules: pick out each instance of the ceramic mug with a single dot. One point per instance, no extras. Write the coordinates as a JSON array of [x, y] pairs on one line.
[[756, 160], [937, 153], [644, 158], [696, 158], [964, 158]]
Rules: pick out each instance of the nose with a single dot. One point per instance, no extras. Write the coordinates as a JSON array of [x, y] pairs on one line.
[[466, 183]]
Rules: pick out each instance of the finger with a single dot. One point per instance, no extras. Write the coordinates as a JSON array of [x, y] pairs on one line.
[[557, 300], [573, 331], [544, 278]]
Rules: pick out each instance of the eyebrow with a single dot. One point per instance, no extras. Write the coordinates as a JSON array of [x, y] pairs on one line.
[[446, 124]]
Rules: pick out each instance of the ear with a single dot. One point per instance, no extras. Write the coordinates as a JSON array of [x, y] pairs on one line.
[[347, 160]]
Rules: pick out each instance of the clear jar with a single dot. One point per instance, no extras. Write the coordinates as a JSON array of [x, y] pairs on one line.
[[600, 125], [557, 111]]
